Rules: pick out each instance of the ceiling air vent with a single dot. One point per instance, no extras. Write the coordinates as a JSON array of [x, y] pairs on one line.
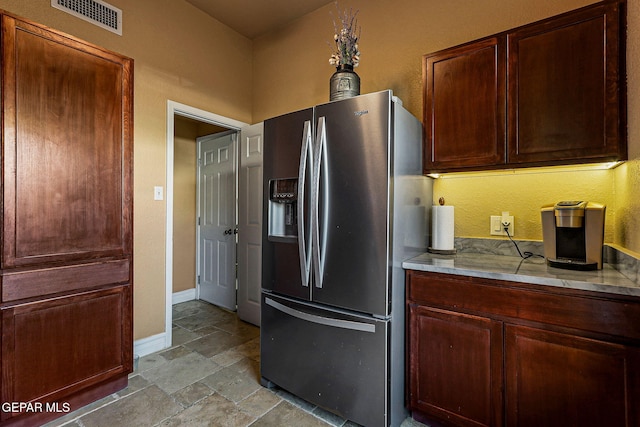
[[95, 11]]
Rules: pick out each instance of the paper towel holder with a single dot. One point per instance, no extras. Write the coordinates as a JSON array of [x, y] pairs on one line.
[[441, 251]]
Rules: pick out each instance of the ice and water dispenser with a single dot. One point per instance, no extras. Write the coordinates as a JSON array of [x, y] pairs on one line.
[[283, 209]]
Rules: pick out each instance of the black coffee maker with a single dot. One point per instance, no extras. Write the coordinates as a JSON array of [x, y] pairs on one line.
[[573, 234]]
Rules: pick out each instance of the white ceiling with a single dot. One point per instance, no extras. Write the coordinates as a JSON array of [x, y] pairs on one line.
[[252, 18]]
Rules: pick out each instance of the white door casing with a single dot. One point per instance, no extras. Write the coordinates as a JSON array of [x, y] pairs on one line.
[[164, 339], [250, 223], [217, 219]]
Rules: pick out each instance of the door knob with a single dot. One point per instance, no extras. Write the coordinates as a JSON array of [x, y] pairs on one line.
[[229, 231]]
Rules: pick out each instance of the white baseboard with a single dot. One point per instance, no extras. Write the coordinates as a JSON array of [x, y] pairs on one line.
[[184, 296], [149, 345]]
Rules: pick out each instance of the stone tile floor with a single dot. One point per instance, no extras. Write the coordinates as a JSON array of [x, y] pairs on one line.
[[210, 377]]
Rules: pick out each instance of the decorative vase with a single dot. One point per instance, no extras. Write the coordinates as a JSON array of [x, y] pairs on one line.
[[344, 83]]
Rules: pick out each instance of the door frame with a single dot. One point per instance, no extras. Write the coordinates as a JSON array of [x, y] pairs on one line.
[[175, 108]]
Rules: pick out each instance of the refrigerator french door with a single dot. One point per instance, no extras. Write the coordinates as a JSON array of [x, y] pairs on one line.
[[339, 181]]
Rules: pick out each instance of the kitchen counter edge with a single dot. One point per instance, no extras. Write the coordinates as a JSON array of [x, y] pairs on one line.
[[531, 271]]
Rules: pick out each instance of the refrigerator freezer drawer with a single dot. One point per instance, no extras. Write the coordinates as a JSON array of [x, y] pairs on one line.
[[334, 360]]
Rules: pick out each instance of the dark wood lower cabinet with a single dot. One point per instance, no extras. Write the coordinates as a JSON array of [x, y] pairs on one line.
[[54, 348], [555, 379], [457, 362], [491, 353]]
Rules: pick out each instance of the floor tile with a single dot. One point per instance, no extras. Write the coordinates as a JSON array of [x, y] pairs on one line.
[[228, 357], [68, 420], [180, 335], [150, 361], [146, 407], [191, 394], [204, 319], [215, 343], [259, 403], [136, 383], [214, 410], [250, 349], [328, 417], [175, 352], [237, 381], [295, 400], [179, 373], [239, 328], [286, 414]]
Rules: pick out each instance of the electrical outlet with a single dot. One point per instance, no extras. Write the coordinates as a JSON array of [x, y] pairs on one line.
[[497, 224]]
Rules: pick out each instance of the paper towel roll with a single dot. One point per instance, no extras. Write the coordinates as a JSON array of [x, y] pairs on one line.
[[442, 228]]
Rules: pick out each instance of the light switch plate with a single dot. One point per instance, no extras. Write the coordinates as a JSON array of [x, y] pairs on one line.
[[496, 226], [158, 193]]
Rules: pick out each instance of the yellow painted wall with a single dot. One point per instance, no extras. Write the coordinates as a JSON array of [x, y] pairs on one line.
[[628, 176], [291, 71], [522, 192], [180, 54]]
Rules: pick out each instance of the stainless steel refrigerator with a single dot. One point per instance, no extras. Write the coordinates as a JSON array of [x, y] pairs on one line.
[[344, 204]]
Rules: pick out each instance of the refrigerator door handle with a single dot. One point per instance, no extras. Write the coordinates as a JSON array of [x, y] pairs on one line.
[[322, 320], [319, 165], [304, 251]]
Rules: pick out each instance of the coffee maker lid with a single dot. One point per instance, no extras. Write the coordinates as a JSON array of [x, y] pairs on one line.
[[571, 205]]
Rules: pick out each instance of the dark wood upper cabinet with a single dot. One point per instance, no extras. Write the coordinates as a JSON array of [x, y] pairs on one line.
[[553, 92], [565, 89], [66, 260], [66, 137], [464, 105]]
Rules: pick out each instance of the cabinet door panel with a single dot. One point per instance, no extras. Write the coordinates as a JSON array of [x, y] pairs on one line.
[[565, 89], [64, 153], [53, 347], [455, 366], [560, 380], [465, 106]]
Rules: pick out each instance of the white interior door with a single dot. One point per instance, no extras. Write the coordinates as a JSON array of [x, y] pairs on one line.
[[217, 219], [250, 223]]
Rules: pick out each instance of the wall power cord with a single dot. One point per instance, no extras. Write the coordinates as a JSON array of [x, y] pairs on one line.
[[526, 254]]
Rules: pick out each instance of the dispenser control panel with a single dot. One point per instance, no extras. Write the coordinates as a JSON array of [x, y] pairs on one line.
[[283, 203], [284, 190]]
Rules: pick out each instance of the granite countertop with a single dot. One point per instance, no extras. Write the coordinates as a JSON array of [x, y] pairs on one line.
[[531, 270]]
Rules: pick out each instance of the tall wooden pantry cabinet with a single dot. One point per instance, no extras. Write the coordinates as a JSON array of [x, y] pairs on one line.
[[66, 227]]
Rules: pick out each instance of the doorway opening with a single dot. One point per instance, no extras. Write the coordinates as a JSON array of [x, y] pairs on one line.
[[208, 121]]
